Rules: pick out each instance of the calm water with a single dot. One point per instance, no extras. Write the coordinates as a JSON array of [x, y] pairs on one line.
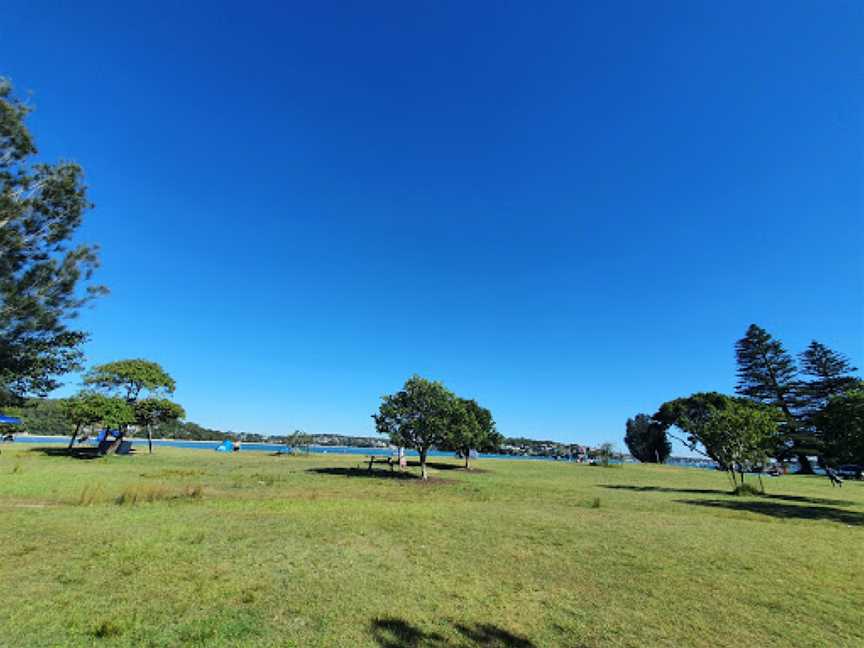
[[273, 447]]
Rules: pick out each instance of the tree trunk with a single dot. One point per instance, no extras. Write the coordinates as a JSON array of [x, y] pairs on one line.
[[805, 467], [423, 474], [149, 439], [467, 458], [74, 434]]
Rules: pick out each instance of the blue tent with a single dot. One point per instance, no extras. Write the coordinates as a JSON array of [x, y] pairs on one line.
[[11, 420], [225, 446]]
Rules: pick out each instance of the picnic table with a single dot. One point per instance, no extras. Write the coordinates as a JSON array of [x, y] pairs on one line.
[[393, 462]]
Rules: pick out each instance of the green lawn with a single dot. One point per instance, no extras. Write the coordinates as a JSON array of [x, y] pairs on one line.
[[259, 550]]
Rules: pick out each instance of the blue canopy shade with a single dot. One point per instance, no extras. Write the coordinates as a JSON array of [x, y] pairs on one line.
[[10, 419]]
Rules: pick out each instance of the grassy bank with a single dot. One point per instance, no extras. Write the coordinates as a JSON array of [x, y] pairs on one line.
[[191, 547]]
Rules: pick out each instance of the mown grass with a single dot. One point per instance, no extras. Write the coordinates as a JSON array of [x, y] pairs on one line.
[[193, 548]]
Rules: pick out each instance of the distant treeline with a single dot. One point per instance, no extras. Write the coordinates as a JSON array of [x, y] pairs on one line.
[[533, 447], [44, 416]]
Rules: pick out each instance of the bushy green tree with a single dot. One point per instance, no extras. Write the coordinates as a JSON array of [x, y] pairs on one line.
[[841, 427], [737, 433], [419, 416], [473, 430], [92, 408], [155, 411], [44, 277], [647, 440]]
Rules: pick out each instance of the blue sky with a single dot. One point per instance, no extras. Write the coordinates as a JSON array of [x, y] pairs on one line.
[[568, 211]]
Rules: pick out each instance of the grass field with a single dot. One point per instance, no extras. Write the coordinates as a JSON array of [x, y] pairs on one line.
[[259, 550]]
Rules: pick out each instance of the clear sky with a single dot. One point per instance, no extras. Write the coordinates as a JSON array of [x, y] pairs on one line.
[[569, 212]]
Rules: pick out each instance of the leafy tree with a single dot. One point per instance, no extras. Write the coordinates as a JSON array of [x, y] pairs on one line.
[[841, 425], [44, 279], [473, 429], [130, 378], [298, 439], [92, 408], [155, 411], [419, 416], [767, 374], [737, 433], [831, 375], [605, 453], [646, 439]]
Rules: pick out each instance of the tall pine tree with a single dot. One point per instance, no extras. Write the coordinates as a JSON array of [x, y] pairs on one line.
[[767, 374], [830, 374], [43, 275]]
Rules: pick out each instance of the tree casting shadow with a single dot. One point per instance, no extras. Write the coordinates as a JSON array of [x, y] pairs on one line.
[[713, 491], [783, 511], [75, 453], [375, 473], [397, 633]]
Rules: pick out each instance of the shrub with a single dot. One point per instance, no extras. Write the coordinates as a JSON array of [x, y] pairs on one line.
[[746, 489]]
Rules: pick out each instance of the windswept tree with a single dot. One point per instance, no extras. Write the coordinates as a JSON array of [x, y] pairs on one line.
[[87, 409], [647, 440], [44, 277], [737, 433], [131, 378], [419, 416], [156, 411], [473, 430], [767, 374]]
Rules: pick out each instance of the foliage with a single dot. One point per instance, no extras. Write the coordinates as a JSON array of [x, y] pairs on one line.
[[841, 427], [473, 430], [646, 439], [45, 416], [767, 374], [604, 453], [298, 439], [44, 279], [831, 375], [766, 371], [152, 411], [419, 416], [92, 408], [130, 378], [735, 432]]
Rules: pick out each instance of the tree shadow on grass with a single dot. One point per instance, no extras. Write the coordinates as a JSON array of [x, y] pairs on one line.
[[438, 465], [713, 491], [783, 511], [353, 471], [397, 633], [74, 453]]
